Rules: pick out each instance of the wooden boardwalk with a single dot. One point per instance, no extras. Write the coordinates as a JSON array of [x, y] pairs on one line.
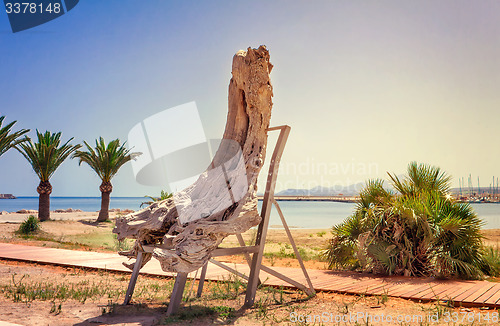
[[466, 293]]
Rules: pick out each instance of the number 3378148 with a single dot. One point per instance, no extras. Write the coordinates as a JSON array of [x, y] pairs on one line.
[[32, 8]]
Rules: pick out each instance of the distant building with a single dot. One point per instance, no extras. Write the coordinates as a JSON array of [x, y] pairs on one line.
[[7, 196]]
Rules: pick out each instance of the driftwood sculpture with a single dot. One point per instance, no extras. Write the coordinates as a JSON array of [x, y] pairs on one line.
[[223, 200]]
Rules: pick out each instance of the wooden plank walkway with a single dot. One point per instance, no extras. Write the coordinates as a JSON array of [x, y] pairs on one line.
[[466, 293]]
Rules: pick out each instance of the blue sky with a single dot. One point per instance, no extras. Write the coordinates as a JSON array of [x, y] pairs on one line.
[[366, 86]]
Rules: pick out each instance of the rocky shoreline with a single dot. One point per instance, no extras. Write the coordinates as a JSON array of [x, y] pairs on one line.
[[68, 210]]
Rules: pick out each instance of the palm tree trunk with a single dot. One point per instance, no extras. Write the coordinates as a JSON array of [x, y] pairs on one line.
[[44, 189], [106, 189]]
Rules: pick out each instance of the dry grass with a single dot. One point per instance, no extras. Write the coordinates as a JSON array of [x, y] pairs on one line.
[[68, 296]]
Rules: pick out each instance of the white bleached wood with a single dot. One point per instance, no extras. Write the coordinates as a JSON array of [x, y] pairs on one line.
[[196, 220]]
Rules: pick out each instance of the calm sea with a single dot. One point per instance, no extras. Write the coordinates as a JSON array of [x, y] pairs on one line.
[[302, 214]]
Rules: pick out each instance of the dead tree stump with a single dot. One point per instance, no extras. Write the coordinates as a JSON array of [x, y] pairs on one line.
[[195, 220]]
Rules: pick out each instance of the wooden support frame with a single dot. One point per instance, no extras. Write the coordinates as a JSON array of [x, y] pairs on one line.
[[260, 240], [257, 250]]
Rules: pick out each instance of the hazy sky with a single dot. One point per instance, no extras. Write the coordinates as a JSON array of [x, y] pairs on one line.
[[367, 86]]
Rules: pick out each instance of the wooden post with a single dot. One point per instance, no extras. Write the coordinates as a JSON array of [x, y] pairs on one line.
[[242, 244], [176, 297], [133, 278], [202, 280], [253, 279]]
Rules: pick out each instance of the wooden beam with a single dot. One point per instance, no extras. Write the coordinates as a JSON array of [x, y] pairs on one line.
[[265, 213], [295, 250], [234, 251], [202, 280], [229, 269], [133, 278]]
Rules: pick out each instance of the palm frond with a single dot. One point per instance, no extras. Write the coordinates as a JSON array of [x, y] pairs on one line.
[[105, 160], [8, 138], [373, 194], [448, 266], [46, 155]]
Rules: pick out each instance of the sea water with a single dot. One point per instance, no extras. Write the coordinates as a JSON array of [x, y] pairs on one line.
[[298, 214], [320, 215], [87, 204]]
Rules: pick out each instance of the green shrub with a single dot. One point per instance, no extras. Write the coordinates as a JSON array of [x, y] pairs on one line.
[[419, 230], [29, 226], [492, 256]]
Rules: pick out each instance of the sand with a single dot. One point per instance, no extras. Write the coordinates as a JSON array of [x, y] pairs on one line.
[[307, 237], [72, 216]]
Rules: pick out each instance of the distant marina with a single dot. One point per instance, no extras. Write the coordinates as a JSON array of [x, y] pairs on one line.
[[474, 199]]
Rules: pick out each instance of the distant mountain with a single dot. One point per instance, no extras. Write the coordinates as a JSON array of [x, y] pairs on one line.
[[351, 190]]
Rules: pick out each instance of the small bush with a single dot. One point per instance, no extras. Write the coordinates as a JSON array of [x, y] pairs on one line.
[[321, 234], [29, 226]]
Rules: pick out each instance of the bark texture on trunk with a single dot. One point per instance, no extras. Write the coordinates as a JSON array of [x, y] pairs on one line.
[[44, 190], [106, 189], [223, 200]]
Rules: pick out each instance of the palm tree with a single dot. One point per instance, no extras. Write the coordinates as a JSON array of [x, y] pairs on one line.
[[9, 139], [105, 161], [419, 230], [45, 156]]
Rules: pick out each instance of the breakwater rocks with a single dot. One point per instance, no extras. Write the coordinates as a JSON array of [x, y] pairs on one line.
[[27, 211], [69, 210]]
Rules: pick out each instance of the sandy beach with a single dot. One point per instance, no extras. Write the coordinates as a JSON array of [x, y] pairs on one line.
[[305, 236], [78, 230], [75, 215]]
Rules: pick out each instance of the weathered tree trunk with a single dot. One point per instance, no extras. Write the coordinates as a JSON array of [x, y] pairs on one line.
[[106, 189], [44, 190], [196, 220]]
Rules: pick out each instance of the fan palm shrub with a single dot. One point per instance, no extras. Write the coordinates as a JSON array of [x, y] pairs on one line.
[[416, 230], [163, 195], [10, 139], [105, 160], [45, 156]]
